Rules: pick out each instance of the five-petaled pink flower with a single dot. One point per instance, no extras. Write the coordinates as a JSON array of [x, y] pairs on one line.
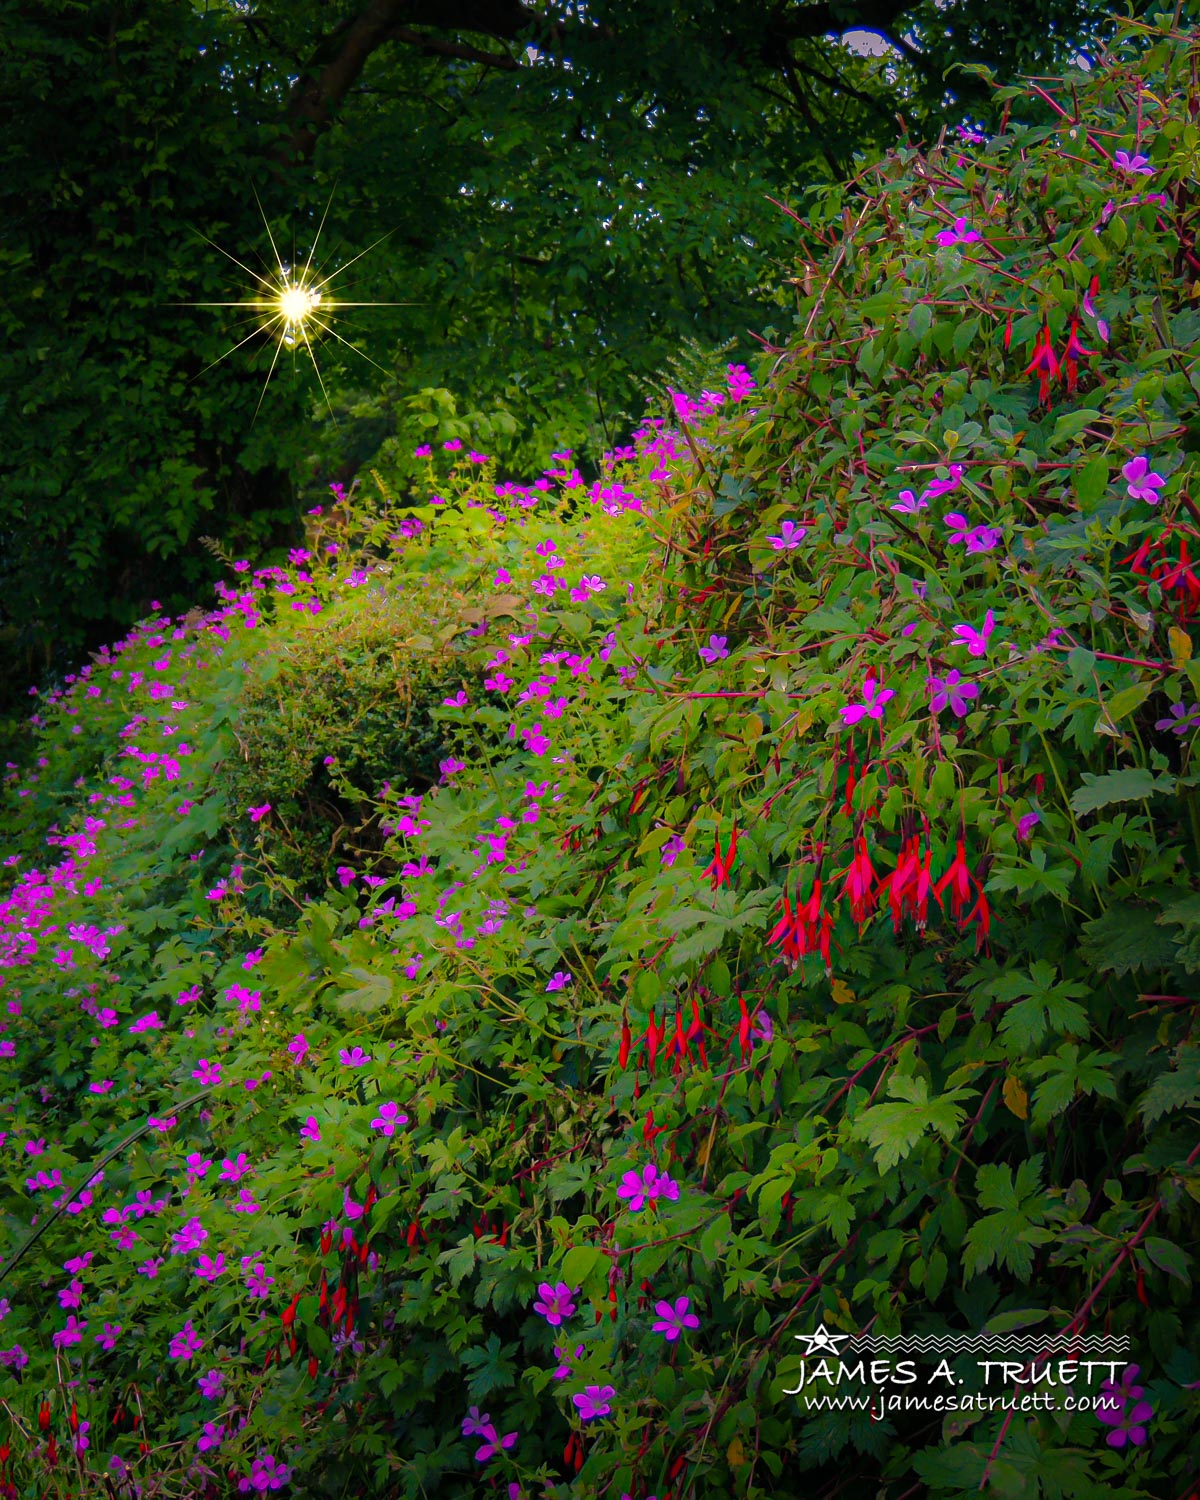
[[874, 696], [186, 1343], [1137, 166], [960, 234], [555, 1302], [311, 1131], [594, 1401], [789, 538], [951, 690], [1143, 483], [257, 814], [640, 1189], [559, 982], [674, 1318], [388, 1118], [976, 641]]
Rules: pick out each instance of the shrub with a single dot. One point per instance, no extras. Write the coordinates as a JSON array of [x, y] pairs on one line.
[[800, 932]]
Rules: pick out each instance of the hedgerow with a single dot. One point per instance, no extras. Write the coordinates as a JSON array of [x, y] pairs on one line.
[[800, 930]]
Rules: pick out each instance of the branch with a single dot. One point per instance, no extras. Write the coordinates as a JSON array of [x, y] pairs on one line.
[[454, 49], [338, 61]]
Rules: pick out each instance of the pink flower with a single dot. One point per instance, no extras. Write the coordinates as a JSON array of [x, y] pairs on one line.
[[976, 641], [298, 1047], [716, 650], [186, 1343], [594, 1401], [874, 696], [310, 1130], [560, 981], [789, 538], [646, 1187], [555, 1302], [1138, 166], [388, 1118], [909, 504], [673, 1319], [257, 814], [960, 234], [1143, 485], [951, 690]]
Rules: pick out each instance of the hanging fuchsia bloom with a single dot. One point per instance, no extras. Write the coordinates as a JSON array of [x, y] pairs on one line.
[[721, 866], [1044, 364], [960, 234], [1072, 354], [874, 696], [674, 1318], [860, 877], [1089, 308]]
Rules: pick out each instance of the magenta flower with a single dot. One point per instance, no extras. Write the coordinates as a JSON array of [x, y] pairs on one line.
[[1142, 481], [257, 814], [938, 487], [71, 1334], [1180, 719], [960, 234], [234, 1171], [976, 641], [298, 1047], [874, 698], [646, 1187], [494, 1444], [560, 981], [1126, 1411], [566, 1359], [789, 538], [740, 382], [311, 1131], [209, 1267], [960, 527], [212, 1437], [388, 1118], [1137, 166], [715, 651], [951, 690], [984, 538], [475, 1423], [671, 850], [909, 504], [555, 1303], [673, 1318], [211, 1384], [266, 1473], [186, 1343], [594, 1401], [353, 1057], [1026, 824]]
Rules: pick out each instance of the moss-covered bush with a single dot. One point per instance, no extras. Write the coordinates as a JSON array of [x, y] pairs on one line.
[[802, 930]]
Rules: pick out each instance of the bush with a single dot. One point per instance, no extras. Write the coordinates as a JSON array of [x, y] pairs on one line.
[[800, 932]]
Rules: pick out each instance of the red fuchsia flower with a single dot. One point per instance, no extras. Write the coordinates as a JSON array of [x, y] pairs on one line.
[[958, 880], [1044, 363], [910, 884], [721, 867], [860, 877], [805, 930], [1072, 354], [1089, 308]]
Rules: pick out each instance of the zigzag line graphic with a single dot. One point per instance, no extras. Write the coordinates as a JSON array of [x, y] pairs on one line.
[[986, 1343]]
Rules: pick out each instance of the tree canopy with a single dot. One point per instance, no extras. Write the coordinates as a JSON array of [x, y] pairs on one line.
[[567, 192]]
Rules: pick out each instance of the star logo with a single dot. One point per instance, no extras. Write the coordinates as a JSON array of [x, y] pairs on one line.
[[822, 1342]]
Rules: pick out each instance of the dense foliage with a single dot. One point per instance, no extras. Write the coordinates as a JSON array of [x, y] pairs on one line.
[[801, 927], [558, 205]]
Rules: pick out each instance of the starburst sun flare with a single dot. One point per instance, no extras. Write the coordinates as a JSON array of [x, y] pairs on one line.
[[292, 306]]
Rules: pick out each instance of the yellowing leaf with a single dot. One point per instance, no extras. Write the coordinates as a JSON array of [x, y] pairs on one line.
[[1181, 647], [842, 993], [735, 1454], [1016, 1098]]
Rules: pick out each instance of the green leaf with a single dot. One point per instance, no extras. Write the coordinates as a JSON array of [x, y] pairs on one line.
[[370, 992], [1091, 480], [1168, 1257], [1132, 784], [1126, 938]]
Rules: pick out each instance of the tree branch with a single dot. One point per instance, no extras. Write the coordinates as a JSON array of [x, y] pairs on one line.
[[338, 62]]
